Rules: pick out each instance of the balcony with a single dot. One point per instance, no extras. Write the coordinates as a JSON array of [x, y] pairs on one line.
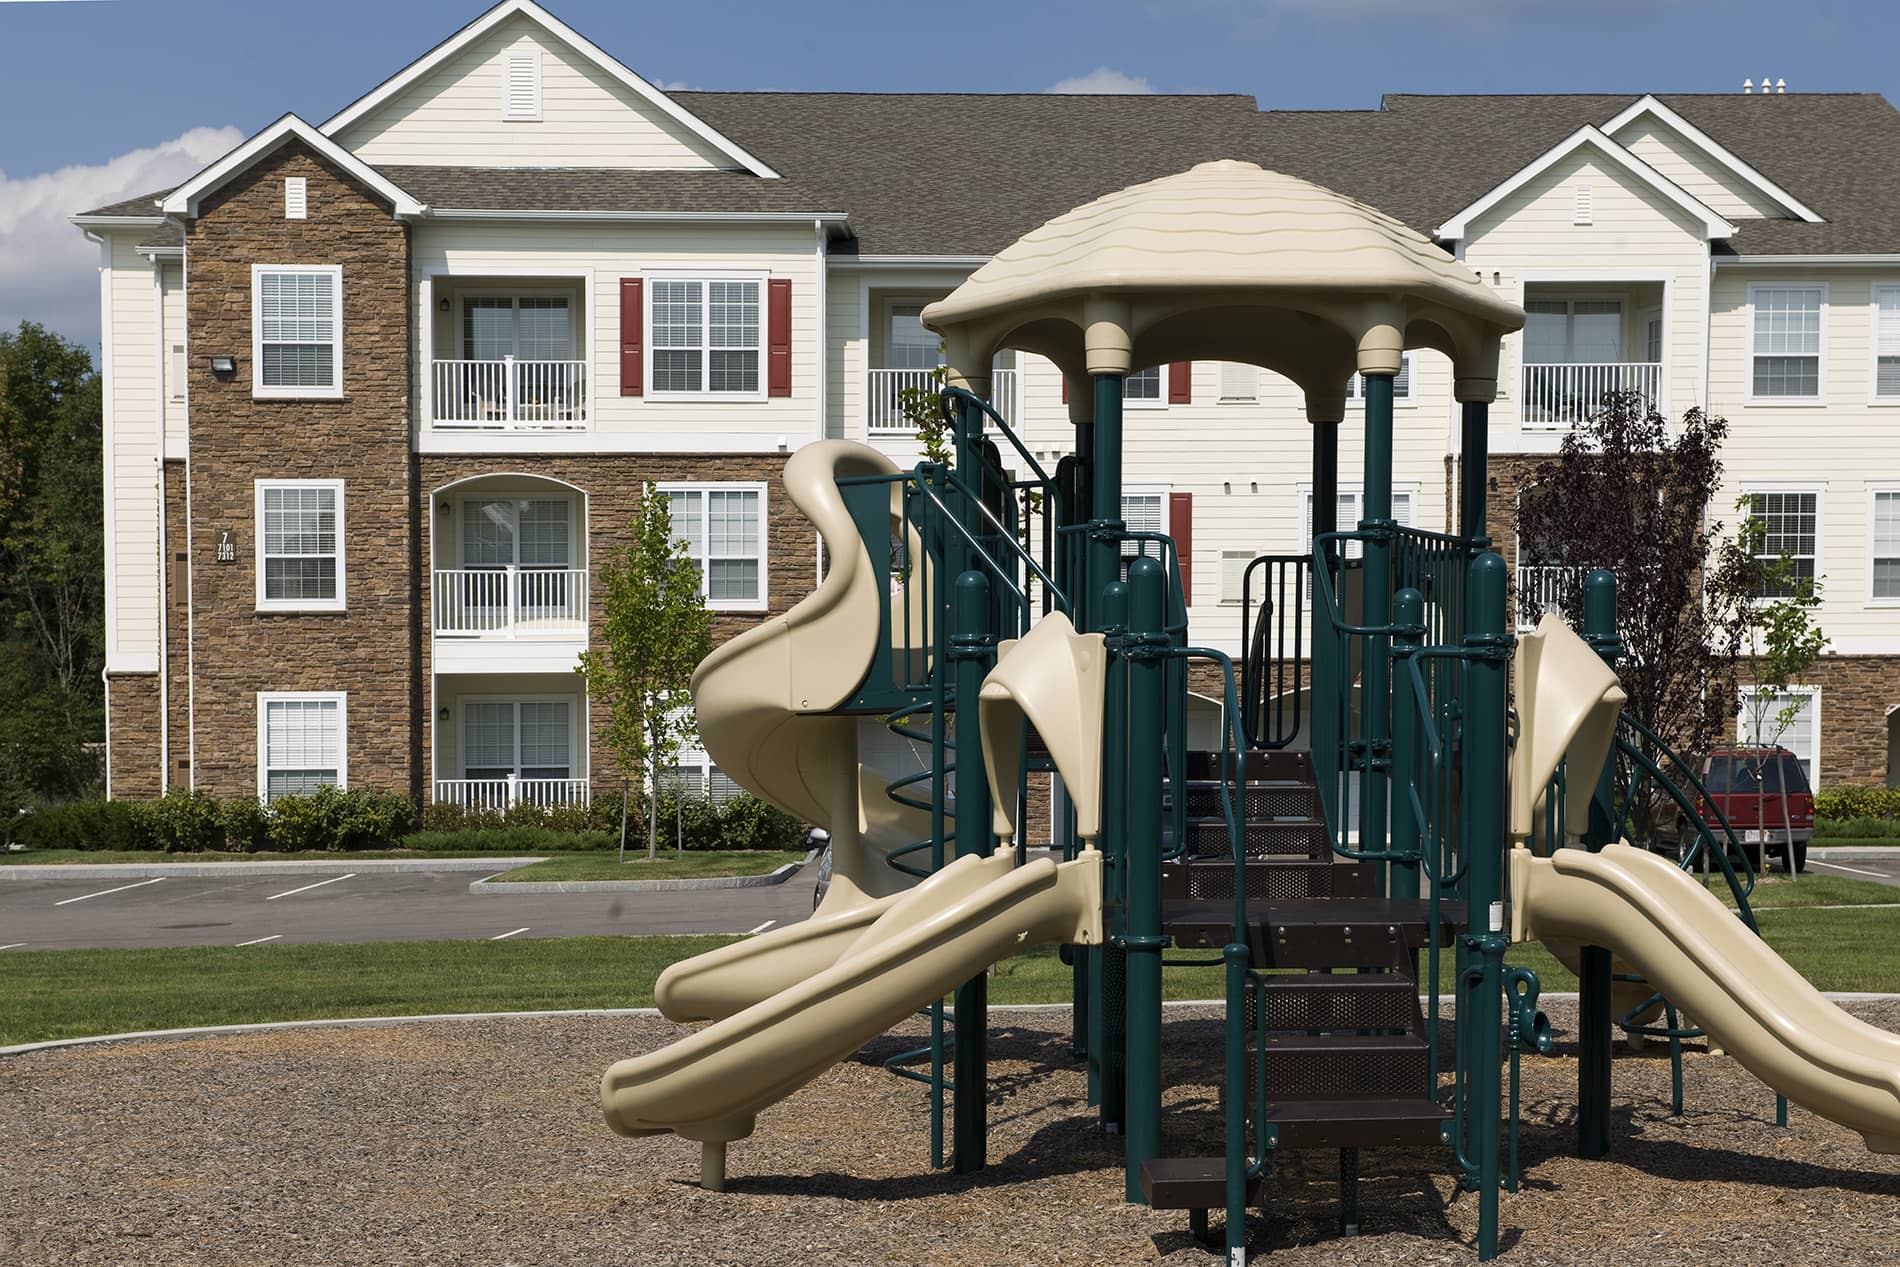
[[1543, 587], [509, 395], [511, 602], [499, 794], [1558, 396], [883, 396]]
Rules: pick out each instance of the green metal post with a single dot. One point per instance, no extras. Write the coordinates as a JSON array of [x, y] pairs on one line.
[[1408, 615], [1105, 483], [1375, 702], [1474, 479], [1480, 1012], [1108, 1008], [1104, 474], [1075, 554], [1595, 1011], [1141, 852], [1327, 672], [970, 645]]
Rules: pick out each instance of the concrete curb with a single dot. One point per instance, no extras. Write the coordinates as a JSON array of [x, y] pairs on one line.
[[1847, 853], [372, 1022], [779, 876], [147, 870]]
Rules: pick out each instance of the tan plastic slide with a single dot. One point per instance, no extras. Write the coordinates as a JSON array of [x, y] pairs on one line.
[[1653, 915]]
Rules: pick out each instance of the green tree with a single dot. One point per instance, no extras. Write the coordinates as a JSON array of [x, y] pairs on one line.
[[52, 566], [657, 632]]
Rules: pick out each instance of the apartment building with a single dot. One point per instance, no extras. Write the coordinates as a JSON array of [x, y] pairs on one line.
[[380, 390]]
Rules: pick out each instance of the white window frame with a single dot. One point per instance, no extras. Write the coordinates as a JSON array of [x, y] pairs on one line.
[[463, 302], [1355, 391], [1158, 491], [1873, 347], [576, 730], [692, 755], [1819, 399], [765, 536], [1819, 494], [703, 276], [265, 604], [266, 698], [1813, 693], [1160, 400], [258, 390], [1409, 491], [532, 56], [1890, 488], [1229, 371]]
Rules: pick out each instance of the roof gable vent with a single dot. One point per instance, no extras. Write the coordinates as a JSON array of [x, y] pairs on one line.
[[521, 86], [296, 198], [1586, 206]]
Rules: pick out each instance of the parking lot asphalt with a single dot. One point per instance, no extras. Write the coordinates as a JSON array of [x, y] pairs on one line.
[[341, 906]]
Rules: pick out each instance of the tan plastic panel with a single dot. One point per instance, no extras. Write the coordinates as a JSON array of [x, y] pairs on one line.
[[1054, 677], [1568, 701], [1661, 921], [711, 1085]]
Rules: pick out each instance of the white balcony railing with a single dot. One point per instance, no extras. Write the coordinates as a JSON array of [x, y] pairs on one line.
[[884, 412], [509, 394], [1558, 396], [510, 602], [1543, 587], [499, 794]]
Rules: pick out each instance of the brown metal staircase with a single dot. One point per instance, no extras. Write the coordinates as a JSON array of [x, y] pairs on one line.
[[1347, 1061]]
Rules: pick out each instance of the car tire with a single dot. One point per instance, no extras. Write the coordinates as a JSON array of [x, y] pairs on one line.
[[1801, 858]]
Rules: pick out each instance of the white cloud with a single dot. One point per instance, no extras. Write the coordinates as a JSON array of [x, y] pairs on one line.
[[674, 85], [1103, 79], [46, 265]]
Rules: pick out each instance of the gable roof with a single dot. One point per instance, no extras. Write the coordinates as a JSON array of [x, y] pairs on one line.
[[1650, 107], [607, 191], [534, 13], [183, 201], [1458, 224]]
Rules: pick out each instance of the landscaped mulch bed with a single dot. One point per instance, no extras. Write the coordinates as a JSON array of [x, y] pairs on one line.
[[482, 1143]]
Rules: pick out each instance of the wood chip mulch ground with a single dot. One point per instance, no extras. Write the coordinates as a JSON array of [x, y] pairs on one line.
[[481, 1143]]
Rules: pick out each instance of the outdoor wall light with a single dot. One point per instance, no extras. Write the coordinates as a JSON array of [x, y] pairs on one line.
[[442, 304], [442, 714], [224, 365]]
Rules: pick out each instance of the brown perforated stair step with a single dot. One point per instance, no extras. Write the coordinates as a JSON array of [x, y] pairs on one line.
[[1210, 879], [1346, 1066], [1291, 838], [1398, 1121], [1332, 1002], [1189, 1183]]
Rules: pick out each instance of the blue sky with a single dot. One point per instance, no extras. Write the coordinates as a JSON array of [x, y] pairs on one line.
[[129, 94]]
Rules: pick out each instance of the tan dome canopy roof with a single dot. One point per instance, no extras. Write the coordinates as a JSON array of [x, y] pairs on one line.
[[1227, 261]]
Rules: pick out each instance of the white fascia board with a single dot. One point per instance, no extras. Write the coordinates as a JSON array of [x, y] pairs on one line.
[[1708, 145], [907, 261], [183, 201], [1806, 261], [1713, 225], [566, 34], [118, 222], [665, 217]]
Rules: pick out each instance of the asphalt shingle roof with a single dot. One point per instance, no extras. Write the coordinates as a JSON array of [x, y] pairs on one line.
[[602, 189]]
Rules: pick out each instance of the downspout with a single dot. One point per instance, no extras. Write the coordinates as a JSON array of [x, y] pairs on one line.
[[824, 347], [105, 478], [191, 568], [164, 588]]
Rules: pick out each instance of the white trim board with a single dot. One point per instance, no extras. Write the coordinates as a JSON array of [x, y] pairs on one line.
[[184, 200], [1458, 226], [1655, 109], [534, 13]]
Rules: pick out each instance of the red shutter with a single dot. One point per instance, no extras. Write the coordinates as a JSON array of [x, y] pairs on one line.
[[778, 337], [1181, 528], [633, 329], [1181, 383]]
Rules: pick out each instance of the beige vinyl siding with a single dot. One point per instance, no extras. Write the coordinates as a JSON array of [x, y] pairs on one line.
[[1843, 447], [174, 351], [846, 358], [515, 253], [1637, 235], [132, 478], [453, 116], [1700, 176]]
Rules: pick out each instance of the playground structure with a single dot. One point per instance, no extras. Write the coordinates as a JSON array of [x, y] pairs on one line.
[[1372, 802]]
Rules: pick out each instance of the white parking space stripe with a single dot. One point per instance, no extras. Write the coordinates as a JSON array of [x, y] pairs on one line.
[[1835, 866], [761, 928], [102, 892], [13, 945], [261, 940], [506, 936], [306, 888]]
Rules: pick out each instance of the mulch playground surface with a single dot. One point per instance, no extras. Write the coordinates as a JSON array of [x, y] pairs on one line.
[[481, 1143]]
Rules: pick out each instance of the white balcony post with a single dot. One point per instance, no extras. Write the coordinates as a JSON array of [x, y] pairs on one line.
[[513, 581], [514, 787], [508, 391]]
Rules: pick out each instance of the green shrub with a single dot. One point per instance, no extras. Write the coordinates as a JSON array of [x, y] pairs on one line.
[[246, 825], [506, 840], [1843, 803], [103, 825], [187, 822], [1856, 829], [746, 822]]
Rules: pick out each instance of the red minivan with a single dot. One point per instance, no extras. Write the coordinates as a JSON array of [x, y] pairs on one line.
[[1764, 794]]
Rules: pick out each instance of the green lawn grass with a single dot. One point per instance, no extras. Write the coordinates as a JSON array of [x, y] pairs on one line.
[[35, 856], [697, 864], [1777, 891]]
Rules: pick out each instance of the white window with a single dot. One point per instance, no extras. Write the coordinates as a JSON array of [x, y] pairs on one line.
[[1792, 523], [1146, 389], [1883, 546], [1347, 515], [523, 739], [1144, 509], [299, 545], [1786, 336], [297, 330], [301, 742], [694, 774], [1573, 331], [526, 327], [521, 86], [1401, 384], [1233, 574], [723, 526], [1761, 719], [912, 345], [296, 198], [177, 373], [1239, 382], [1886, 371], [706, 336]]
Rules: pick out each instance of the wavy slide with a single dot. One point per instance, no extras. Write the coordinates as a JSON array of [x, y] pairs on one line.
[[1649, 912]]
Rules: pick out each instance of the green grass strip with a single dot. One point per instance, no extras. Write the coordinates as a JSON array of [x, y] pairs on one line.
[[701, 864]]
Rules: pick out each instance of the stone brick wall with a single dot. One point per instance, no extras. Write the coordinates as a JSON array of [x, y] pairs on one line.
[[1856, 692], [132, 734], [370, 650]]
